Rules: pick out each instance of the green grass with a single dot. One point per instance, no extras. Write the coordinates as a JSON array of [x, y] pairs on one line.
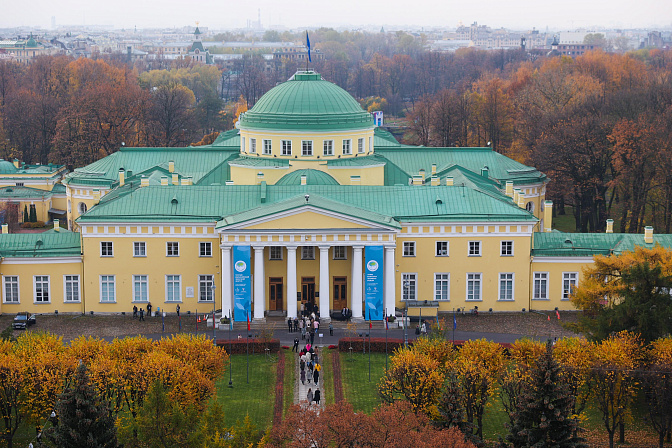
[[256, 398], [566, 222], [290, 379], [327, 376], [358, 390]]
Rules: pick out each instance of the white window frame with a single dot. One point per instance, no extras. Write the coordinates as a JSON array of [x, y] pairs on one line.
[[370, 144], [564, 296], [139, 278], [439, 279], [82, 208], [543, 292], [4, 289], [170, 286], [500, 297], [307, 148], [268, 146], [242, 144], [360, 145], [103, 244], [340, 252], [474, 245], [478, 280], [73, 280], [278, 253], [408, 249], [137, 245], [502, 250], [439, 252], [347, 147], [170, 252], [110, 280], [207, 245], [286, 147], [328, 148], [307, 252], [410, 292], [205, 283], [253, 145], [42, 282]]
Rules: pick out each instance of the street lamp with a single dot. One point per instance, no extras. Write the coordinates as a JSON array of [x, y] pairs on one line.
[[407, 286], [214, 304]]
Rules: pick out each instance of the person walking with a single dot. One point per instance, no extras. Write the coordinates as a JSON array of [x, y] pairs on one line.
[[295, 348], [310, 396], [149, 309], [331, 329], [290, 324], [316, 397], [142, 314], [135, 312], [302, 327], [177, 309], [312, 336], [296, 325], [303, 376], [316, 376]]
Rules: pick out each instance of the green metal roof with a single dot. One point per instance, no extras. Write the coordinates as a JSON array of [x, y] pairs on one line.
[[356, 161], [313, 177], [306, 102], [58, 189], [7, 167], [230, 138], [383, 138], [23, 193], [560, 244], [48, 244], [261, 162]]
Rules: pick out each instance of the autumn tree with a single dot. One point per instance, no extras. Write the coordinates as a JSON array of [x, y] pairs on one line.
[[657, 386], [576, 355], [172, 121], [11, 381]]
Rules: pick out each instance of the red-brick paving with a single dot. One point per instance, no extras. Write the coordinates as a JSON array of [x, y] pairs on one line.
[[338, 384], [279, 389]]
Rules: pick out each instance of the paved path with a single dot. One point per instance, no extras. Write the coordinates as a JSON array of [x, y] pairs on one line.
[[301, 389]]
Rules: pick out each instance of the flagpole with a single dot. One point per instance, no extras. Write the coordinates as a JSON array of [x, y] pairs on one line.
[[370, 346], [386, 326], [230, 327], [247, 338]]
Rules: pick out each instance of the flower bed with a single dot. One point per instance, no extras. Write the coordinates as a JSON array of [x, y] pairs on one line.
[[377, 344], [240, 346]]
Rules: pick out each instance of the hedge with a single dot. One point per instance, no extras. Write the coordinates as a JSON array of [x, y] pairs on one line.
[[240, 346], [377, 344]]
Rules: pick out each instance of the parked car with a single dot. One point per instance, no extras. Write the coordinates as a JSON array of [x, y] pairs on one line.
[[23, 321]]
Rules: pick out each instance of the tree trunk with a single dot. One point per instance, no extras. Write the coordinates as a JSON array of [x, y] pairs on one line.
[[621, 432]]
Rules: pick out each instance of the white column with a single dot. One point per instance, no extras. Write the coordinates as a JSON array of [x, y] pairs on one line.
[[356, 294], [324, 282], [389, 280], [259, 280], [227, 281], [291, 282]]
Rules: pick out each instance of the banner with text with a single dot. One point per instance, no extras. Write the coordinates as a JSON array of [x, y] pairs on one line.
[[373, 283], [242, 283]]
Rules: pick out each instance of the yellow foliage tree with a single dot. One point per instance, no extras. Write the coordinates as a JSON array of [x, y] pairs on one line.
[[576, 356], [523, 354]]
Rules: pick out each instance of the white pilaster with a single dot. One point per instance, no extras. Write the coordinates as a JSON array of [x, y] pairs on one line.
[[356, 294], [227, 282], [324, 282], [291, 282], [259, 280], [390, 287]]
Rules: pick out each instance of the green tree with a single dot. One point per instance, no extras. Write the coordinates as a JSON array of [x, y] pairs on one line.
[[26, 217], [84, 421], [33, 214]]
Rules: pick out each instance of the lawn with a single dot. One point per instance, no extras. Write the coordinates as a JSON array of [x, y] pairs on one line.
[[358, 390], [290, 378], [327, 375]]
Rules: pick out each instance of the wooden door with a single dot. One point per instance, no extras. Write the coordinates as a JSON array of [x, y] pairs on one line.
[[275, 294], [340, 293], [308, 293]]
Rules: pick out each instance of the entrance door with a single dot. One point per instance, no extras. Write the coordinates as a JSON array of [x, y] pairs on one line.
[[340, 293], [275, 294], [308, 293]]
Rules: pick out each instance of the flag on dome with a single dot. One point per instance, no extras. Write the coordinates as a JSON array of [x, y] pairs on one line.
[[308, 45]]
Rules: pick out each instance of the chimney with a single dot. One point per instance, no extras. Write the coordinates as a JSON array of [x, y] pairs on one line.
[[5, 229], [164, 180], [171, 166], [355, 180], [521, 200], [417, 179], [57, 225], [433, 169], [422, 173], [434, 181], [121, 177], [509, 188], [516, 193], [548, 215], [449, 181], [610, 226], [228, 182], [648, 235], [96, 195], [304, 179], [16, 163], [144, 181], [485, 171], [176, 179]]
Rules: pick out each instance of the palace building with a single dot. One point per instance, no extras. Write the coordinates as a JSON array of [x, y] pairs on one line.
[[305, 204]]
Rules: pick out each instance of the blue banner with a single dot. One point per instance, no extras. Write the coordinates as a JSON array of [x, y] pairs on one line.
[[373, 283], [242, 283]]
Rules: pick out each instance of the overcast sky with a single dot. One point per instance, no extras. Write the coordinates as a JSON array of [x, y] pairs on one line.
[[218, 14]]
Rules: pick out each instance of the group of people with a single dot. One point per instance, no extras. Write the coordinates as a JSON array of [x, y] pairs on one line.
[[141, 312], [307, 325], [310, 369]]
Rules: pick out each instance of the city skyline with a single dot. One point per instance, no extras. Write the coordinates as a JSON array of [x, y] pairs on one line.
[[518, 14]]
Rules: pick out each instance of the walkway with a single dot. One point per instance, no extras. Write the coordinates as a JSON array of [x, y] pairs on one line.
[[301, 390]]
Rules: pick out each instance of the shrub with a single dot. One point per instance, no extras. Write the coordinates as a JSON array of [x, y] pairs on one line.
[[240, 346], [377, 344]]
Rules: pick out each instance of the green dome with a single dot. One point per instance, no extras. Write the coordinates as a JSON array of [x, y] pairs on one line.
[[313, 177], [7, 167], [308, 103]]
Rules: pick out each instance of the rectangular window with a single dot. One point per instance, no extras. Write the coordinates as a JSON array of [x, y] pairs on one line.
[[106, 249], [10, 284], [569, 282], [474, 248], [107, 290], [347, 147], [370, 144], [205, 292], [540, 286], [205, 249], [139, 249], [328, 148], [41, 288], [442, 286], [140, 293], [409, 249], [360, 145], [267, 147], [253, 145], [308, 253], [71, 289], [408, 285], [242, 144], [173, 288], [506, 286], [275, 253], [506, 249], [172, 249], [442, 248], [306, 148], [340, 253], [286, 147], [474, 286]]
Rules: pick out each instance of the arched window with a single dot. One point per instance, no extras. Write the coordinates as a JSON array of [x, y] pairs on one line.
[[82, 208], [530, 207]]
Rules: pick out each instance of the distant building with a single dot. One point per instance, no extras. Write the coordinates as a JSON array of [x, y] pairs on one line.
[[298, 53], [197, 52], [25, 51]]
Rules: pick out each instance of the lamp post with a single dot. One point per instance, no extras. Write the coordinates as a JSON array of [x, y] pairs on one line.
[[214, 304], [230, 326], [405, 299]]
